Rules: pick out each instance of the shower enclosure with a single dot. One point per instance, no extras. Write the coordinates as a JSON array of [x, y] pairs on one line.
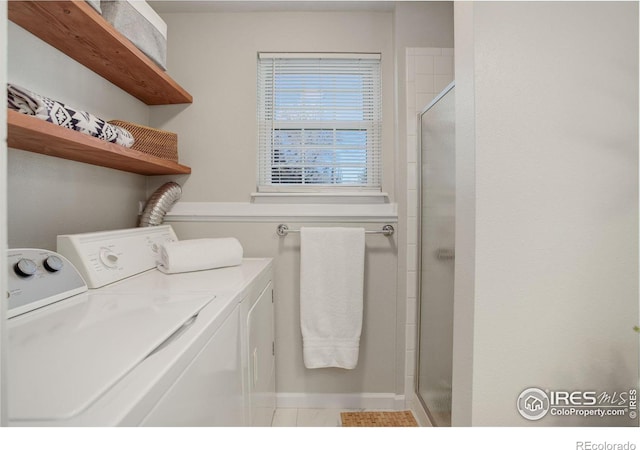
[[436, 256]]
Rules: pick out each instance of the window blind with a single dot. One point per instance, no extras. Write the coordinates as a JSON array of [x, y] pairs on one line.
[[319, 119]]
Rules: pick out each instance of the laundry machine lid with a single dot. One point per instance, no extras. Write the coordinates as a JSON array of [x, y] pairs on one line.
[[63, 358], [227, 279]]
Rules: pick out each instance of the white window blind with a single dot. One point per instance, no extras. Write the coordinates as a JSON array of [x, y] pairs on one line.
[[319, 121]]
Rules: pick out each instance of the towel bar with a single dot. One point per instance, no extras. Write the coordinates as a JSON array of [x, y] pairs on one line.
[[387, 230]]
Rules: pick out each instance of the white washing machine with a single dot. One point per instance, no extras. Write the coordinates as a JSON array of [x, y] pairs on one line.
[[138, 347]]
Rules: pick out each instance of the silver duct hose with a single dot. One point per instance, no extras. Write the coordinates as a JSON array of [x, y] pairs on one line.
[[159, 203]]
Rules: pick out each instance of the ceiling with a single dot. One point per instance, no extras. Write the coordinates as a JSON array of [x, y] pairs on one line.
[[178, 6]]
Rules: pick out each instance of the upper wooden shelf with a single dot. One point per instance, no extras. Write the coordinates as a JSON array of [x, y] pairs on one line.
[[76, 29], [36, 135]]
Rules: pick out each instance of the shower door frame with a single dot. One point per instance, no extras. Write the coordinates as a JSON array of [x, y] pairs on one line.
[[431, 104]]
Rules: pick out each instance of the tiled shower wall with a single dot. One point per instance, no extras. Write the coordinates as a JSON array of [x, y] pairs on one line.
[[429, 71]]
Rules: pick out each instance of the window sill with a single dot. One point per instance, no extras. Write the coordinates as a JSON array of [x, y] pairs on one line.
[[330, 198]]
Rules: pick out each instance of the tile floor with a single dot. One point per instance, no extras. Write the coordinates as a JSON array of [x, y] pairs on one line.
[[292, 417]]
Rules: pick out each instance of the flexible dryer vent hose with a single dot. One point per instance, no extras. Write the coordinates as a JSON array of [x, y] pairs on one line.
[[159, 203]]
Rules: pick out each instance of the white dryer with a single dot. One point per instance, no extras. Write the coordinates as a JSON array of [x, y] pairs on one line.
[[139, 347]]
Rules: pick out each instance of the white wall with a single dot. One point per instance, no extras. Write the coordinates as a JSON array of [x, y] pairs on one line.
[[424, 24], [548, 112], [49, 196], [3, 217], [464, 282], [215, 54]]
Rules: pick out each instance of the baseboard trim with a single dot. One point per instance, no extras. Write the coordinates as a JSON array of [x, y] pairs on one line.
[[347, 401]]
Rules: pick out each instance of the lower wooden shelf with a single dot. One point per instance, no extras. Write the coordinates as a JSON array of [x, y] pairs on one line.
[[35, 135]]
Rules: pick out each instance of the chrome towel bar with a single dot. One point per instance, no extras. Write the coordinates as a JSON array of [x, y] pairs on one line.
[[387, 230]]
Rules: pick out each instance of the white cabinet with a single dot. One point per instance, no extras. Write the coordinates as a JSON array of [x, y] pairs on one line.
[[261, 373]]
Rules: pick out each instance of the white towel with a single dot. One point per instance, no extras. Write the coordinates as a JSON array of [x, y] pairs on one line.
[[331, 295], [199, 254]]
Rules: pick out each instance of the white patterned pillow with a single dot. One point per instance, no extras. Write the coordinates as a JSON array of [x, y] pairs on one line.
[[27, 102]]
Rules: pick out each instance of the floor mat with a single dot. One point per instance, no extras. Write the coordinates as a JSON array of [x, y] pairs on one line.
[[378, 419]]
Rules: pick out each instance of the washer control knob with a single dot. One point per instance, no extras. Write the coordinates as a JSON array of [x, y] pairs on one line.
[[108, 258], [25, 267], [53, 263]]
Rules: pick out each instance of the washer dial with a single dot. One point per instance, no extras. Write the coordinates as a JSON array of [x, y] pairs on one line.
[[108, 258], [53, 264], [25, 267]]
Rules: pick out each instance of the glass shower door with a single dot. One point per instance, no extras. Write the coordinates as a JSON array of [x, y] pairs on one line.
[[436, 257]]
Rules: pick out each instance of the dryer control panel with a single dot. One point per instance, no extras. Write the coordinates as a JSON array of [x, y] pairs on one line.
[[38, 278], [109, 256]]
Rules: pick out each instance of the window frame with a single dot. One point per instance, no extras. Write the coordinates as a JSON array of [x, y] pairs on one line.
[[372, 127]]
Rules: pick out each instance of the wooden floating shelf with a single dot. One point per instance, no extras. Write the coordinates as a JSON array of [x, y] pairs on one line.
[[36, 135], [76, 29]]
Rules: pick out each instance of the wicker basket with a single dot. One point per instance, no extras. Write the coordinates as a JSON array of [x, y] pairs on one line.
[[159, 143]]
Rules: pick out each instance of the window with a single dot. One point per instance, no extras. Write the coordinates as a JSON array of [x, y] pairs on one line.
[[319, 119]]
